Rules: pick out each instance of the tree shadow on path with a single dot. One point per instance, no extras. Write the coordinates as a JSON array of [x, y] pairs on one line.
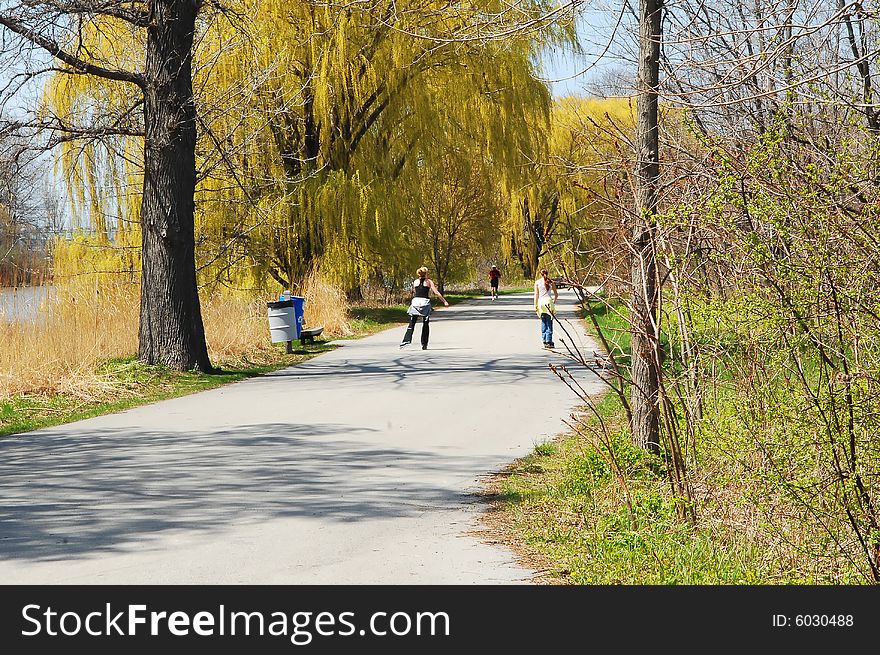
[[66, 496]]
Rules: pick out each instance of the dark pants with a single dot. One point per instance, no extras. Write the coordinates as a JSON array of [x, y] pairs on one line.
[[407, 338]]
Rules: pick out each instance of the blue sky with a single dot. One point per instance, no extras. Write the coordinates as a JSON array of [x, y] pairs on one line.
[[606, 37]]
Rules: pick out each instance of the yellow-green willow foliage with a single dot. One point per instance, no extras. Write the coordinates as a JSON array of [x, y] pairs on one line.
[[574, 192], [456, 212], [102, 170], [86, 266], [316, 118], [347, 104]]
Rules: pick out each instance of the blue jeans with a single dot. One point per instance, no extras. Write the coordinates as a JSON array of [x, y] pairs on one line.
[[547, 328]]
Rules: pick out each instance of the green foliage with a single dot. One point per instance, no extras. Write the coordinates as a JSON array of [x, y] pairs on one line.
[[757, 452], [781, 306], [568, 199], [570, 509], [545, 449]]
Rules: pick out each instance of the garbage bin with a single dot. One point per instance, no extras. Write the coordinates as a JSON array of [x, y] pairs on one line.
[[299, 305], [286, 318], [283, 325]]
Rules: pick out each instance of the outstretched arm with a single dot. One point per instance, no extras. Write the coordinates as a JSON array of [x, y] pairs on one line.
[[437, 291]]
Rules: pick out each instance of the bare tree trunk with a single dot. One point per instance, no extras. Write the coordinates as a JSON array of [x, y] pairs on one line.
[[171, 329], [645, 361]]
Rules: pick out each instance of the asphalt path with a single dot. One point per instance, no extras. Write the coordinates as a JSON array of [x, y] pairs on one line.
[[356, 467]]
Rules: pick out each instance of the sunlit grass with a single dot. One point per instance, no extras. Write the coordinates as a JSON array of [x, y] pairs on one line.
[[591, 523], [83, 324]]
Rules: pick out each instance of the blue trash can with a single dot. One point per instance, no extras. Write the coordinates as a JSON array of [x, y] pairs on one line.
[[299, 304]]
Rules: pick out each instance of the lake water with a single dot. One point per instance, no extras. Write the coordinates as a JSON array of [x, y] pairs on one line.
[[23, 304]]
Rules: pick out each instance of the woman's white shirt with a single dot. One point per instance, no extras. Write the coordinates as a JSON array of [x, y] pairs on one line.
[[545, 303], [543, 292]]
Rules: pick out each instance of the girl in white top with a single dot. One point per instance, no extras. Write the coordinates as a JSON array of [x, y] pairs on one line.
[[546, 296]]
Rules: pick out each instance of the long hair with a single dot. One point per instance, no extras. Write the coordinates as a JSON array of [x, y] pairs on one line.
[[545, 275], [422, 272]]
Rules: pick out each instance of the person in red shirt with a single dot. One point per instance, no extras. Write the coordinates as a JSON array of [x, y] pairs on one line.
[[494, 277]]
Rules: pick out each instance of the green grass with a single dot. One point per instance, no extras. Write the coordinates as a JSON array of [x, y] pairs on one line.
[[566, 503], [545, 449], [369, 320], [612, 319]]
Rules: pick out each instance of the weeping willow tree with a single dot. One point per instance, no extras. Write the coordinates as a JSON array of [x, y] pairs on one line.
[[349, 105], [455, 212], [95, 43], [316, 125]]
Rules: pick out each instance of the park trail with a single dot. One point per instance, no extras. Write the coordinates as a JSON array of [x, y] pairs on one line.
[[356, 467]]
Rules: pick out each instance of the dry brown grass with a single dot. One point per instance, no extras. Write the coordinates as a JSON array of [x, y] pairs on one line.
[[326, 305], [83, 325], [87, 323], [237, 331]]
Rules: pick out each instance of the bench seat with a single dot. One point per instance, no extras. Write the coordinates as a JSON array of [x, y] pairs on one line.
[[307, 335]]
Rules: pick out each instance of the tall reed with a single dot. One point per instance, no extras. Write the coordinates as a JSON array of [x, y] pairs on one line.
[[79, 325], [89, 319], [326, 305]]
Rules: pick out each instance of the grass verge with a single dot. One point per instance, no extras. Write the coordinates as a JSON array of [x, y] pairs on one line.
[[129, 383], [590, 508]]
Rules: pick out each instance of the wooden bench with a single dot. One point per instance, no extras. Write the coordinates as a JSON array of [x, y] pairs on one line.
[[308, 335]]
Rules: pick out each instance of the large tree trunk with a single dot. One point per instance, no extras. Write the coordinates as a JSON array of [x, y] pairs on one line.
[[645, 360], [171, 329]]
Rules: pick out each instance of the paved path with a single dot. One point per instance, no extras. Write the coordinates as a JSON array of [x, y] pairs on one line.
[[355, 467]]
